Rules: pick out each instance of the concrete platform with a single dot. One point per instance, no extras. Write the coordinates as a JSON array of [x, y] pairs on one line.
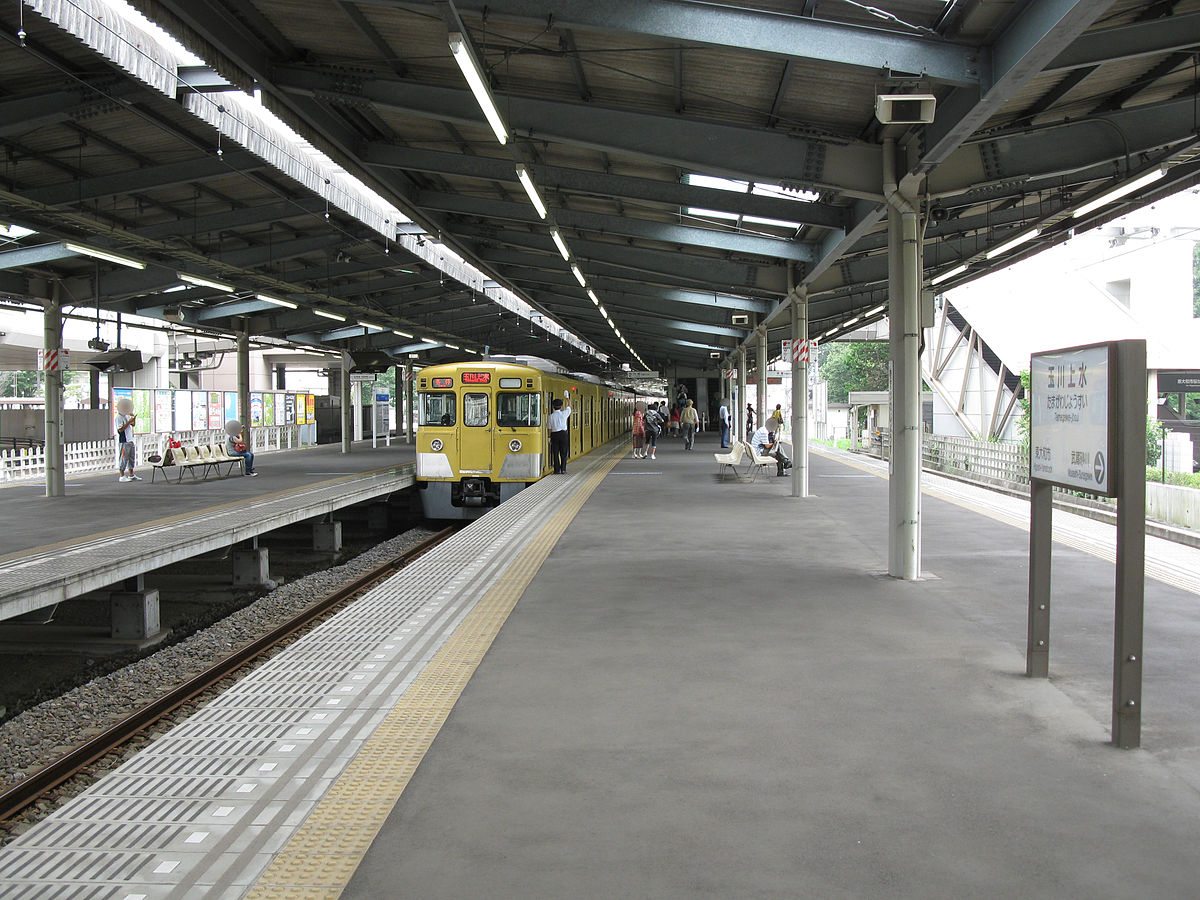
[[709, 690], [103, 531]]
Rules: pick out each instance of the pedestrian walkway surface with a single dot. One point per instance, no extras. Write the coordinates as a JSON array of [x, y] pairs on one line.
[[96, 503], [712, 690]]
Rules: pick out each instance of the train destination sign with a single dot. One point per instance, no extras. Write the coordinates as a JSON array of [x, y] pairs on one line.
[[1070, 439], [476, 377]]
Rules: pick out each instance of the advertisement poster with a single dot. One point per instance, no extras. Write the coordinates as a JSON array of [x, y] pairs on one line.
[[268, 409], [200, 410], [310, 409], [143, 408], [256, 409], [215, 410], [1069, 417], [289, 409], [231, 411], [164, 411], [183, 411], [281, 405]]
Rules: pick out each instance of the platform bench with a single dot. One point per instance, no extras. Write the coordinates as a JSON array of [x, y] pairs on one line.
[[197, 458]]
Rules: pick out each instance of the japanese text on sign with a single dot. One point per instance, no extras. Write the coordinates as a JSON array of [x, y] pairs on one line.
[[1069, 442]]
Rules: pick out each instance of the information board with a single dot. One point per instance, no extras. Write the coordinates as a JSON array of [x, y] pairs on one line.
[[1070, 402]]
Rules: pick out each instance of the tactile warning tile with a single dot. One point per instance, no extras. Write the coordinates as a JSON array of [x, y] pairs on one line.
[[324, 853]]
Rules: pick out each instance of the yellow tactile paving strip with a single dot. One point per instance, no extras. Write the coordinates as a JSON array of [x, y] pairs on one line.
[[325, 851]]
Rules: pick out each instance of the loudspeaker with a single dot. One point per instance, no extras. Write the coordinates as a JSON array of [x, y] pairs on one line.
[[739, 319], [905, 109], [374, 361], [113, 361]]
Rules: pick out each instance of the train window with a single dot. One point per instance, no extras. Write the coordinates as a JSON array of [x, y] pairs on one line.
[[517, 410], [437, 408], [475, 410], [510, 383]]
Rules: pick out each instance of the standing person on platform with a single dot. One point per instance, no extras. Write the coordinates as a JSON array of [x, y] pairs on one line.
[[639, 430], [126, 452], [654, 425], [689, 420], [675, 420], [560, 439], [236, 445], [723, 415], [749, 418]]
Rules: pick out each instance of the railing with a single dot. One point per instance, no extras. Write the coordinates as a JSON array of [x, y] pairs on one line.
[[1001, 462], [28, 463]]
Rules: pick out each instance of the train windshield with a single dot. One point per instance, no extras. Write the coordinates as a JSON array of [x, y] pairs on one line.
[[475, 410], [437, 409], [517, 410]]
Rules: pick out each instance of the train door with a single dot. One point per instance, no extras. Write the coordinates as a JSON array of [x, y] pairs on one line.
[[476, 455]]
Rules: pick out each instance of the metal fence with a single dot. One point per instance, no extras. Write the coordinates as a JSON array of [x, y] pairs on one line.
[[1001, 462], [29, 463]]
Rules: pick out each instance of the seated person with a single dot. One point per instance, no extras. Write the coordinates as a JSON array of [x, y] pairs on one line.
[[765, 443]]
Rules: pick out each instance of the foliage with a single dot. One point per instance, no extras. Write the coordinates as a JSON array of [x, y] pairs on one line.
[[1025, 423], [1183, 479], [1196, 279], [854, 366], [20, 384], [1154, 439]]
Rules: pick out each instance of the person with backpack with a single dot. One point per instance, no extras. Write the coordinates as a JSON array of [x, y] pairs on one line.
[[654, 423]]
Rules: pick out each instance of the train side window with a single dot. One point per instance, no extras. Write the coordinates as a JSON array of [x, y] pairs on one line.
[[518, 410], [436, 408], [475, 410]]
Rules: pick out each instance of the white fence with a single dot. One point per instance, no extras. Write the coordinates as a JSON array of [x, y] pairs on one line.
[[29, 463]]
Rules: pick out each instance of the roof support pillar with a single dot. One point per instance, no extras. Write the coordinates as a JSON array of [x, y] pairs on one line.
[[243, 383], [799, 396], [52, 342], [347, 413], [761, 399], [904, 314], [739, 417]]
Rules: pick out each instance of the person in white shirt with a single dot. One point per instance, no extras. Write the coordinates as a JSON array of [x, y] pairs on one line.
[[723, 415], [126, 452], [560, 441], [765, 443]]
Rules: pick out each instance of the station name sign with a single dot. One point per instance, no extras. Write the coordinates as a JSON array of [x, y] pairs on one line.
[[1070, 402]]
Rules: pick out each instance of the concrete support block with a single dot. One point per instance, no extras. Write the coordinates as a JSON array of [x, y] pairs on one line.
[[377, 517], [135, 614], [251, 568], [327, 537]]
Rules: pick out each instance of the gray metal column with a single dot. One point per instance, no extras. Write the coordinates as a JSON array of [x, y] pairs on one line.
[[739, 405], [52, 342], [799, 398], [243, 381], [761, 399], [347, 413], [904, 282], [408, 401]]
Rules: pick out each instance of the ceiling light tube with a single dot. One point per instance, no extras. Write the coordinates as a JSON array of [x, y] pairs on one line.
[[560, 244], [592, 296], [602, 312], [204, 282], [401, 333], [830, 332], [483, 95], [1020, 239], [370, 325], [1117, 193], [329, 315], [267, 298], [876, 310], [849, 322], [531, 189], [104, 255], [578, 276], [946, 276]]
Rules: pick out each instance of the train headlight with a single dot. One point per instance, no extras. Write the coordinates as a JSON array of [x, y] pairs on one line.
[[435, 444], [514, 445]]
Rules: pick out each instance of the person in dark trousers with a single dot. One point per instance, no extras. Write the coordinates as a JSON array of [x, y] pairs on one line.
[[560, 441]]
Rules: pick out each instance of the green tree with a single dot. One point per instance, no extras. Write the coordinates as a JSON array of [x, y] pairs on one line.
[[20, 384], [854, 366]]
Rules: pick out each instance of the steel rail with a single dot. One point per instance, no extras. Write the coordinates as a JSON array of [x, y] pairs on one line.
[[30, 789]]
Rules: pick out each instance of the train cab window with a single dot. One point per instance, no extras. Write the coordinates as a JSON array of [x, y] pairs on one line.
[[475, 410], [517, 410], [437, 408]]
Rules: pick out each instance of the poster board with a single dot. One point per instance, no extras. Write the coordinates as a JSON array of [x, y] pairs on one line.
[[1071, 433]]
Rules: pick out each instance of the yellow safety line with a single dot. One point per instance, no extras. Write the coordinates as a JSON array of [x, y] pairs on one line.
[[170, 520], [322, 855]]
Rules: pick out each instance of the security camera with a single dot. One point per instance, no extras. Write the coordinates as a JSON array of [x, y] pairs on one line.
[[97, 344]]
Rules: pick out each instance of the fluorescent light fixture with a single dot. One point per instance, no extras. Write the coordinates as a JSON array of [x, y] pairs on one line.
[[104, 255], [454, 346], [602, 312], [876, 310], [267, 298], [616, 331], [1117, 193], [592, 296], [1020, 239], [830, 332], [531, 189], [371, 325], [578, 276], [472, 352], [560, 244], [946, 276], [401, 333], [483, 95], [853, 321], [329, 315], [204, 282]]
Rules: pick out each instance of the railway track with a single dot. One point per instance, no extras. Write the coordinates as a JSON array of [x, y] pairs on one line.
[[29, 790]]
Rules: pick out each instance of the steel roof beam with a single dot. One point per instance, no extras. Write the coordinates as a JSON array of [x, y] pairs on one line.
[[556, 179], [24, 113], [743, 29], [144, 179], [1162, 35], [244, 217], [34, 256], [759, 154], [715, 239]]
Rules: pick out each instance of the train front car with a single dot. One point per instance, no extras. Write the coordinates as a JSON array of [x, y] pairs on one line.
[[481, 436]]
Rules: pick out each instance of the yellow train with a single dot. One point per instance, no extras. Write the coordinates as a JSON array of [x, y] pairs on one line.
[[482, 434]]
